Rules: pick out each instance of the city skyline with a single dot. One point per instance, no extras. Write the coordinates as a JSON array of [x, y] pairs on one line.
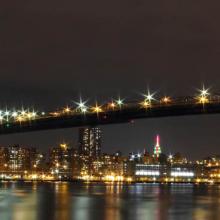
[[51, 56], [89, 163], [138, 141]]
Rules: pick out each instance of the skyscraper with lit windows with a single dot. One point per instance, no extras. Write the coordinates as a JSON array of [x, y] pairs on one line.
[[90, 141]]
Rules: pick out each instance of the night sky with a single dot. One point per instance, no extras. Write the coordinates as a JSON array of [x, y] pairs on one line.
[[53, 51]]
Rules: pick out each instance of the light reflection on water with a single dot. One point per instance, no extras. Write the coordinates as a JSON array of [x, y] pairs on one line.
[[64, 201]]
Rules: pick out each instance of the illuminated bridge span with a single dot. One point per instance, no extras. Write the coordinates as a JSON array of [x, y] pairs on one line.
[[117, 111]]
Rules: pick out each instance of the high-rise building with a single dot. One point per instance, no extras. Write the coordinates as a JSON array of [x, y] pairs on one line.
[[37, 160], [19, 158], [157, 149], [60, 160], [90, 141]]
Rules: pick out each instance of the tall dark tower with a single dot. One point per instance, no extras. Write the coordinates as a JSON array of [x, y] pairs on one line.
[[90, 141]]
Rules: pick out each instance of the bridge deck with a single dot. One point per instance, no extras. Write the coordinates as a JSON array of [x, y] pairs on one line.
[[124, 115]]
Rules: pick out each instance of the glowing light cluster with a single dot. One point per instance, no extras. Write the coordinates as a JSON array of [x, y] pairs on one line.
[[13, 116], [119, 102], [147, 173], [81, 106], [97, 109], [67, 109], [166, 99], [182, 174], [203, 97], [114, 104], [145, 104], [113, 178], [148, 98]]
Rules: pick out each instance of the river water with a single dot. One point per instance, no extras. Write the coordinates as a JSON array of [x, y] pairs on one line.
[[64, 201]]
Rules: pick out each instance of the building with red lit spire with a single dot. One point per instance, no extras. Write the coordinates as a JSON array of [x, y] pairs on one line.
[[157, 149]]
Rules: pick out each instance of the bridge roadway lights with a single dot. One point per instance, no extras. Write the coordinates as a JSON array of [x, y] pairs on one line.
[[123, 115]]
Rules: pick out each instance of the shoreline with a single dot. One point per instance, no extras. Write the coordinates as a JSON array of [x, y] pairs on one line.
[[113, 182]]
